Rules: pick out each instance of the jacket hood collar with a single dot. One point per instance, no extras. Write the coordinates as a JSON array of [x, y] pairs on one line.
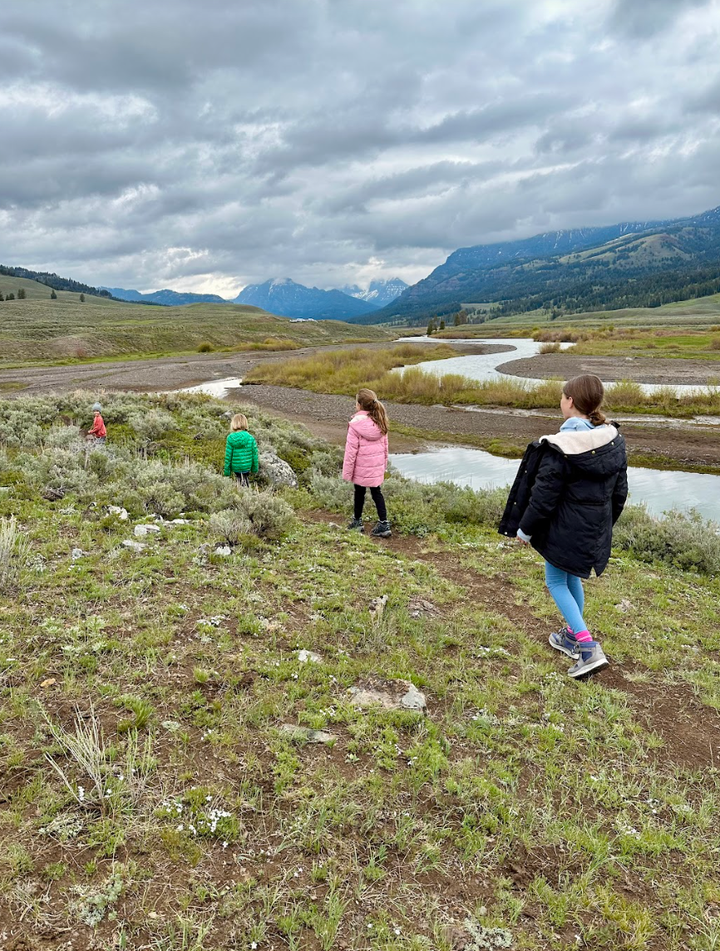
[[367, 427], [575, 442]]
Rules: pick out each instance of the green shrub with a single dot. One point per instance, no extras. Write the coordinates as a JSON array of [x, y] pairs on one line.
[[229, 526], [152, 425], [205, 347], [685, 541], [268, 515]]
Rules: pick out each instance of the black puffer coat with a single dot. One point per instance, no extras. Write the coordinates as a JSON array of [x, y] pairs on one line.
[[569, 492]]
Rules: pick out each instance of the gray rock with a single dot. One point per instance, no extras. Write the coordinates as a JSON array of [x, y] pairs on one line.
[[275, 470], [306, 735], [389, 694], [119, 511], [223, 551], [142, 530], [133, 546], [305, 656], [417, 607], [179, 521], [76, 554], [625, 606]]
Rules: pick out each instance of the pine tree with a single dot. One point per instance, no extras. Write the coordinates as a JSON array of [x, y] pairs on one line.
[[82, 298], [1, 296], [21, 294], [10, 296], [53, 295], [442, 325]]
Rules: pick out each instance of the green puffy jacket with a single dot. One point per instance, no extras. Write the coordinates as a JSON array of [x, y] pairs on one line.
[[241, 453]]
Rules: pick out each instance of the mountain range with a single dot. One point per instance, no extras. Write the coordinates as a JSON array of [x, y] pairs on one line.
[[380, 293], [284, 297], [166, 298], [639, 263]]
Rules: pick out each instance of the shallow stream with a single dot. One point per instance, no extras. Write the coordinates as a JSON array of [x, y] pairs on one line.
[[658, 490], [487, 366]]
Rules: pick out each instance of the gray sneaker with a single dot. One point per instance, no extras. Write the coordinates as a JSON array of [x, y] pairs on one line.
[[382, 530], [592, 657], [357, 525], [562, 641]]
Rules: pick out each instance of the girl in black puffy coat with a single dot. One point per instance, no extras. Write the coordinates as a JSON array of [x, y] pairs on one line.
[[569, 492]]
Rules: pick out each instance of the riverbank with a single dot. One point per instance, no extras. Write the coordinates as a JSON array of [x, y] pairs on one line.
[[664, 372], [503, 433]]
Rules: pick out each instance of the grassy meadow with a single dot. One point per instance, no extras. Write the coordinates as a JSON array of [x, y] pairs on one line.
[[343, 372], [701, 312], [161, 781], [38, 329]]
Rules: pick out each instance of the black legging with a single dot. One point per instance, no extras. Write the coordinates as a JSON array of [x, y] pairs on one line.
[[377, 498]]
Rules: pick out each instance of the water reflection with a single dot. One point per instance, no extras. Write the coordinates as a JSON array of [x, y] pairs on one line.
[[659, 491]]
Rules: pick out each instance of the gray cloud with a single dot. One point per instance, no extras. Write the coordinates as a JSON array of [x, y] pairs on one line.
[[207, 146]]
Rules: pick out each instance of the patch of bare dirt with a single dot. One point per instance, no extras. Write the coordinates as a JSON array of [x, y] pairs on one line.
[[642, 369]]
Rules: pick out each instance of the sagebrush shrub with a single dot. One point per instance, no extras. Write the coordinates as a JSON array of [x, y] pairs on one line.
[[229, 526], [152, 425], [268, 515], [683, 540]]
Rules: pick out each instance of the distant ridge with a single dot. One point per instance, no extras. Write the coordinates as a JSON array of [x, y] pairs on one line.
[[166, 298], [640, 263], [286, 298]]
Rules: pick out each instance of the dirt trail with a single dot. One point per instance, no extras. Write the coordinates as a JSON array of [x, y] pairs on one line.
[[690, 731]]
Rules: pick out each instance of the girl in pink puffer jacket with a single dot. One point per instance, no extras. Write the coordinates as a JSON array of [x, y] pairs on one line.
[[366, 456]]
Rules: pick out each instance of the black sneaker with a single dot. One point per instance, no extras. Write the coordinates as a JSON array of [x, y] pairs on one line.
[[357, 525], [382, 530]]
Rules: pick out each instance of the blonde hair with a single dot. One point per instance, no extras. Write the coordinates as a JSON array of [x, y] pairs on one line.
[[368, 401], [239, 421], [587, 394]]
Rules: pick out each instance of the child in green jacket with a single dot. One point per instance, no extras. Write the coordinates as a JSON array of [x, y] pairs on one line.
[[241, 451]]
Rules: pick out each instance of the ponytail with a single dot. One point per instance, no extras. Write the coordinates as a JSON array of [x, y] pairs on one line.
[[587, 394], [368, 401]]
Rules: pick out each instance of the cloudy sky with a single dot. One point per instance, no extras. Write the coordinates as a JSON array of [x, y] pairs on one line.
[[204, 146]]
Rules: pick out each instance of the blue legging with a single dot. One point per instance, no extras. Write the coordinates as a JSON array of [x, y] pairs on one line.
[[567, 592]]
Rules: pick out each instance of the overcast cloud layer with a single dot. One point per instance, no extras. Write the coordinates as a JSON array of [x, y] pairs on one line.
[[204, 146]]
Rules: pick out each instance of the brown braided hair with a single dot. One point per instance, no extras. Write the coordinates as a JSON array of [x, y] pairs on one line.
[[587, 394], [368, 401]]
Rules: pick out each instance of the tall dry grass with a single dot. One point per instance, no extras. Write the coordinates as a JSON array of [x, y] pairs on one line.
[[345, 371]]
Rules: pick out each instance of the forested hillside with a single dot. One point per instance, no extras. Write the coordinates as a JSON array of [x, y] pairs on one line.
[[565, 273]]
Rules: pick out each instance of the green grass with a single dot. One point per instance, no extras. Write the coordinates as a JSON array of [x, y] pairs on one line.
[[64, 330], [524, 810]]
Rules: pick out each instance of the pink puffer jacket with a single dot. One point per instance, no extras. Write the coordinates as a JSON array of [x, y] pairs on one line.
[[366, 452]]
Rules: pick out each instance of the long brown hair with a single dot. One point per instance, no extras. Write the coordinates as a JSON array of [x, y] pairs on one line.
[[368, 401], [587, 394]]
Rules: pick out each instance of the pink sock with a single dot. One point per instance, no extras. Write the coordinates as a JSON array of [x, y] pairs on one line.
[[583, 636]]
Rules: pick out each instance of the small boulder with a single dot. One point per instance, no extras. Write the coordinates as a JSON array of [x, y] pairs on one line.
[[223, 551], [119, 511], [133, 546], [142, 530], [389, 694], [77, 554], [305, 656], [275, 471], [417, 607], [305, 735]]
